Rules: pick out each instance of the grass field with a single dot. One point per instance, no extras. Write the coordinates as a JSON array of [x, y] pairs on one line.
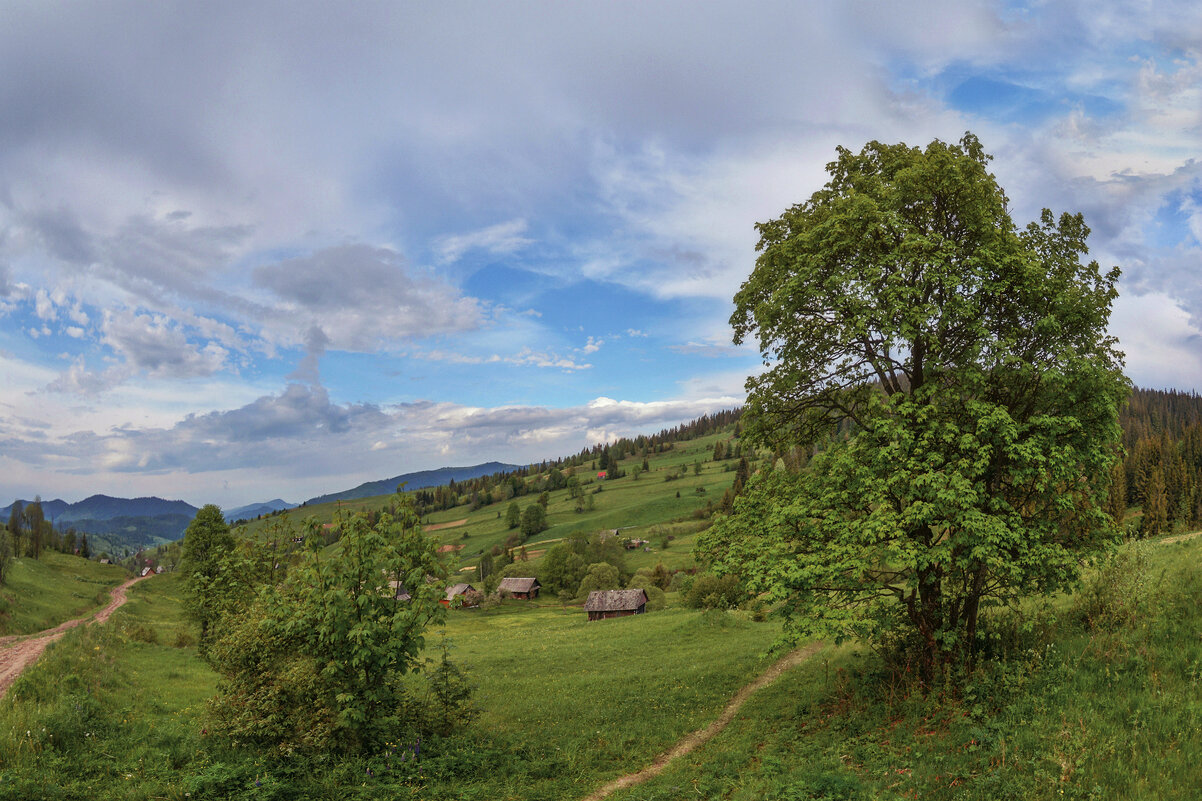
[[1101, 700], [1090, 696], [41, 593], [117, 711], [1097, 698]]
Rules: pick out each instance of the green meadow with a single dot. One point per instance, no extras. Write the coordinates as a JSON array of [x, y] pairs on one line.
[[1092, 696], [41, 593], [117, 711]]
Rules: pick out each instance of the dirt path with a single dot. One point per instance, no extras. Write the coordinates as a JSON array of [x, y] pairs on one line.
[[1180, 537], [698, 738], [441, 526], [21, 651]]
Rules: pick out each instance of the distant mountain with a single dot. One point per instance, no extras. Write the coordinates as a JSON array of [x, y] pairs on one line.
[[415, 481], [103, 507], [253, 510], [51, 509], [118, 523]]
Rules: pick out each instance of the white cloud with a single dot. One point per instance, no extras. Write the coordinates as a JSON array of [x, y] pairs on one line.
[[504, 237], [159, 347], [363, 299], [1163, 344], [44, 306]]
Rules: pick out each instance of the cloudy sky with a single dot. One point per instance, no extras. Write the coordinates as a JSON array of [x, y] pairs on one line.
[[277, 249]]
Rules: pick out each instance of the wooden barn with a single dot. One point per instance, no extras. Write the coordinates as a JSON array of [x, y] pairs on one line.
[[602, 604], [524, 588], [455, 591]]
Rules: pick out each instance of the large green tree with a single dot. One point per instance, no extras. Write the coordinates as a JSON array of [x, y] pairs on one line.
[[955, 375], [208, 544]]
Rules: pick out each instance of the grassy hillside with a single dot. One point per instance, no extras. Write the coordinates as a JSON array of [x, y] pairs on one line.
[[41, 593], [1097, 697], [646, 507]]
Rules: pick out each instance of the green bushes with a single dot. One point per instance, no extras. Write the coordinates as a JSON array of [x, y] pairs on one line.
[[714, 592]]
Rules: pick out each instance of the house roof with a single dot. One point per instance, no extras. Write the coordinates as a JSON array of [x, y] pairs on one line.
[[399, 590], [614, 600], [458, 589], [516, 584]]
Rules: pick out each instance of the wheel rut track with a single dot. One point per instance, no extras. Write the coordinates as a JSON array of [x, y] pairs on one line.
[[692, 742], [20, 651]]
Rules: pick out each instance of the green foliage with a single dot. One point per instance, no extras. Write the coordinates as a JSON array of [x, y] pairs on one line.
[[956, 373], [449, 703], [316, 664], [561, 569], [657, 599], [207, 544], [715, 592], [513, 515], [599, 576], [1070, 706], [534, 519]]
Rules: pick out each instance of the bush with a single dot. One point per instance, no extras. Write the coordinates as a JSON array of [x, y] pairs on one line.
[[715, 592]]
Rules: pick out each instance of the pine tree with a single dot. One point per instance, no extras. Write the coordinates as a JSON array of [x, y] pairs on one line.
[[1155, 520], [1117, 501]]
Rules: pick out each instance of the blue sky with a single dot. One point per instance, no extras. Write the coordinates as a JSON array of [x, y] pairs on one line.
[[280, 249]]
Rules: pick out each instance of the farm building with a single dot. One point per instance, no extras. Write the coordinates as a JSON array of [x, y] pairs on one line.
[[148, 571], [602, 604], [456, 590], [524, 588], [398, 590]]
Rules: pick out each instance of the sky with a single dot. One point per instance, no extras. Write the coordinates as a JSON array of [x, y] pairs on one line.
[[259, 250]]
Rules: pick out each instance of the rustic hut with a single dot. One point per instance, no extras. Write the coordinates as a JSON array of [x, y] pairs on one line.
[[524, 588], [147, 571], [398, 590], [456, 590], [602, 604]]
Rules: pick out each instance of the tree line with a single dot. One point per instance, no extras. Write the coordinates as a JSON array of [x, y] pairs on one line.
[[28, 533], [1160, 470]]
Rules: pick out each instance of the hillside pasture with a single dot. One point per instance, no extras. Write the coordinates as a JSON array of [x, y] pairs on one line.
[[41, 593]]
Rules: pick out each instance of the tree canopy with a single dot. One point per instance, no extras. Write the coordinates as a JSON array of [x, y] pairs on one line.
[[316, 661], [207, 541], [953, 377]]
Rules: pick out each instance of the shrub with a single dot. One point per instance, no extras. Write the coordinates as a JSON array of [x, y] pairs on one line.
[[715, 592]]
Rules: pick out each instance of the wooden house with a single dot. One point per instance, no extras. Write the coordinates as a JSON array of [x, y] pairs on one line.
[[455, 591], [523, 588], [148, 571], [602, 604]]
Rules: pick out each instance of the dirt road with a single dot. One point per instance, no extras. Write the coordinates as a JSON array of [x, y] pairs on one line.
[[21, 651], [698, 738]]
